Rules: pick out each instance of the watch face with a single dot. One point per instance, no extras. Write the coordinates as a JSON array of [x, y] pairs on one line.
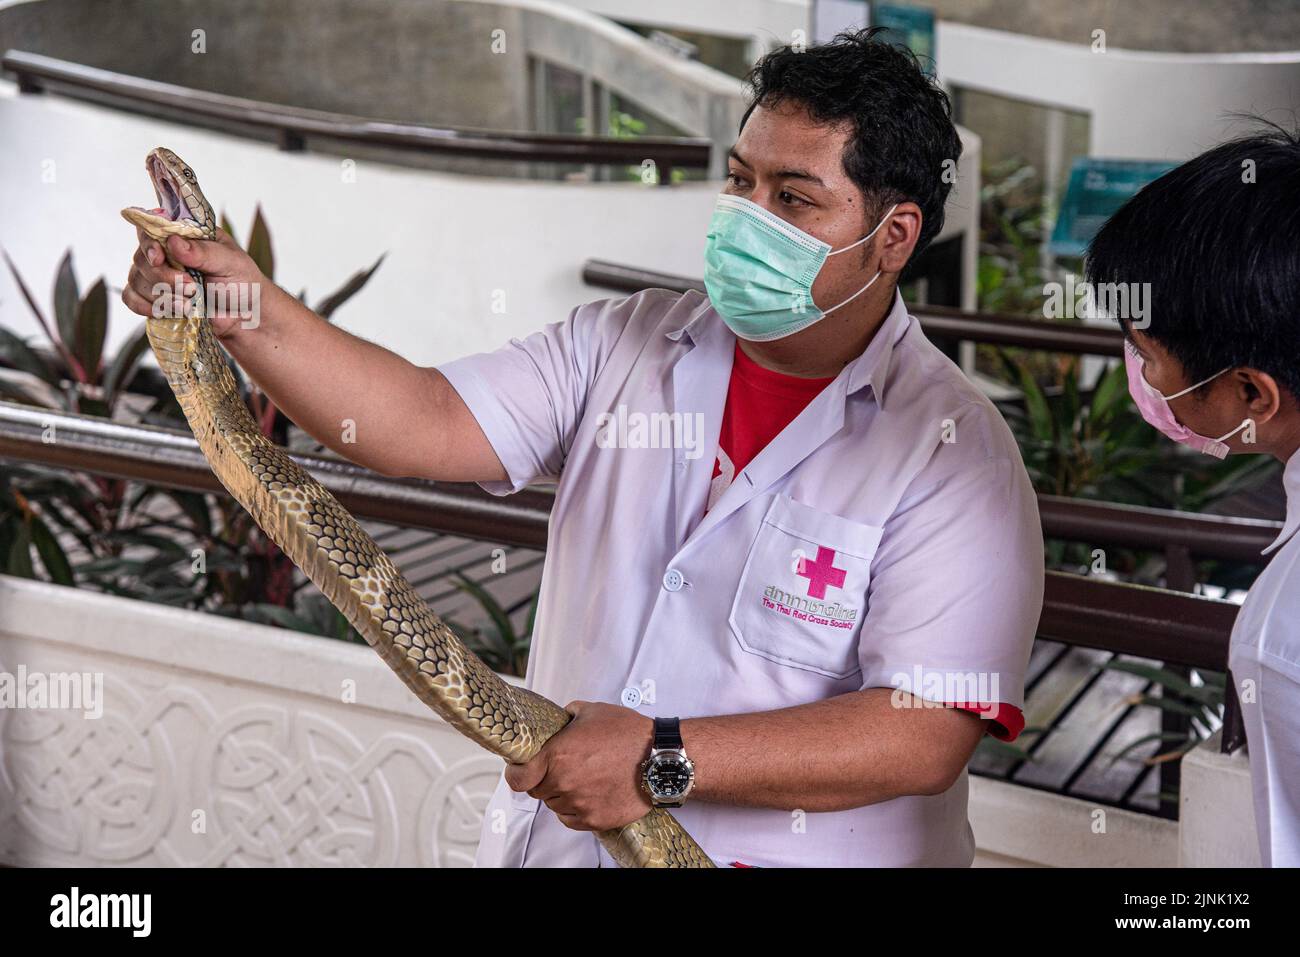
[[668, 775]]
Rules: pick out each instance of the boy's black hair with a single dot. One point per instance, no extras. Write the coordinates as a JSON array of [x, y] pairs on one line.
[[1218, 239], [902, 121]]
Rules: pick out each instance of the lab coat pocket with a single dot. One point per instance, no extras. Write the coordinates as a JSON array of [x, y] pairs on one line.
[[803, 590]]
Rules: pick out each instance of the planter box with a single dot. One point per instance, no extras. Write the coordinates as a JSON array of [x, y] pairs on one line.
[[1216, 816], [220, 743], [226, 743], [1023, 827]]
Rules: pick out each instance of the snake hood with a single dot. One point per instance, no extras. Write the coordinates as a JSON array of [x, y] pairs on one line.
[[182, 208]]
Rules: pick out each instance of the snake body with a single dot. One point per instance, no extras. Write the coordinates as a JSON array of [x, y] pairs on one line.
[[336, 553]]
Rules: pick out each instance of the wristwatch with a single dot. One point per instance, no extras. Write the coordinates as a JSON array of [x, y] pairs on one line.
[[668, 774]]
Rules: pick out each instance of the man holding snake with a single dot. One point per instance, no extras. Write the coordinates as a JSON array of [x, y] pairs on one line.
[[797, 639]]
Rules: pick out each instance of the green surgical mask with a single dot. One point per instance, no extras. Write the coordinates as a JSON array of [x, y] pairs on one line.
[[759, 270]]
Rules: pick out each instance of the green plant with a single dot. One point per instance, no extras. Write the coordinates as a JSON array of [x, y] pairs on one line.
[[993, 748], [311, 614], [623, 125], [211, 555], [1201, 705], [500, 645], [71, 375], [24, 530], [1096, 445]]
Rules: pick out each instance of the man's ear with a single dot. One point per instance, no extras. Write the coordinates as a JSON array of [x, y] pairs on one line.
[[1259, 392], [900, 237]]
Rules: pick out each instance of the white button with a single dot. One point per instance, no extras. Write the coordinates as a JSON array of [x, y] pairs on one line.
[[673, 580], [631, 697]]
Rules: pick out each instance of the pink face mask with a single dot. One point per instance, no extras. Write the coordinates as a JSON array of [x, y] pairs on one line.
[[1155, 408]]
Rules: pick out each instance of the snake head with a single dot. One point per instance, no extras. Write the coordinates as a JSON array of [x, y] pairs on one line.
[[182, 208]]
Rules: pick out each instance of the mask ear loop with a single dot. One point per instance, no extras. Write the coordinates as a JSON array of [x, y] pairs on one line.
[[1192, 388], [1244, 423], [827, 312], [1218, 447], [884, 219]]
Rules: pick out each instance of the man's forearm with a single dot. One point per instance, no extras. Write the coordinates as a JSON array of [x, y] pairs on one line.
[[831, 755], [359, 399]]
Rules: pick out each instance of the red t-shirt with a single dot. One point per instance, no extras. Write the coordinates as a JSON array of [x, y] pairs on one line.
[[760, 403]]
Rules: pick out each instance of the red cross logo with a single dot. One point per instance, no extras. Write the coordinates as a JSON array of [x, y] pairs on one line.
[[821, 572]]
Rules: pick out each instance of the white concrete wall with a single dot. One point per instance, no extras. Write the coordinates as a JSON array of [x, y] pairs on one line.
[[222, 743], [696, 98], [1142, 105]]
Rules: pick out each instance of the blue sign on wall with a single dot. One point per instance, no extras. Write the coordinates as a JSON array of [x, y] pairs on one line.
[[1097, 189], [909, 26]]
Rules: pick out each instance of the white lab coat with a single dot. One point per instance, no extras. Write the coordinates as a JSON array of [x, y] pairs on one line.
[[900, 467], [1264, 657]]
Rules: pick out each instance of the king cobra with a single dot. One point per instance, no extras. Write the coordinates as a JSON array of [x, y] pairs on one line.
[[336, 553]]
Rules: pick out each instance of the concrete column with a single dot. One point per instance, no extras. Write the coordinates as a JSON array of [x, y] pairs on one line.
[[541, 95], [1216, 814]]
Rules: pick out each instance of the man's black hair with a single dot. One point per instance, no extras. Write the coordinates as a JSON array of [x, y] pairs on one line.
[[902, 121], [1218, 239]]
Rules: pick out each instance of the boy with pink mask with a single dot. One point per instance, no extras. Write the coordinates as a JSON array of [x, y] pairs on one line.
[[1217, 367]]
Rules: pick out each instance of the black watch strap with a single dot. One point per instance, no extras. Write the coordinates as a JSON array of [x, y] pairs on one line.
[[668, 733]]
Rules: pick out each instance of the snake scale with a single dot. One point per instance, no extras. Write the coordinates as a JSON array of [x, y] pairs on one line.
[[336, 553]]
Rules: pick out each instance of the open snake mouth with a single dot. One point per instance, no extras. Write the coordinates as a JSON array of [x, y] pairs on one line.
[[165, 186], [182, 209], [177, 201]]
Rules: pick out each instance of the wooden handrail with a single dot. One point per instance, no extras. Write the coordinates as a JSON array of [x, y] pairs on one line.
[[290, 125], [1168, 626], [1132, 526]]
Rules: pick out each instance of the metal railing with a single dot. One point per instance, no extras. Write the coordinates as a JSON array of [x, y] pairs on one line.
[[173, 459], [1176, 628], [169, 457], [290, 126]]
